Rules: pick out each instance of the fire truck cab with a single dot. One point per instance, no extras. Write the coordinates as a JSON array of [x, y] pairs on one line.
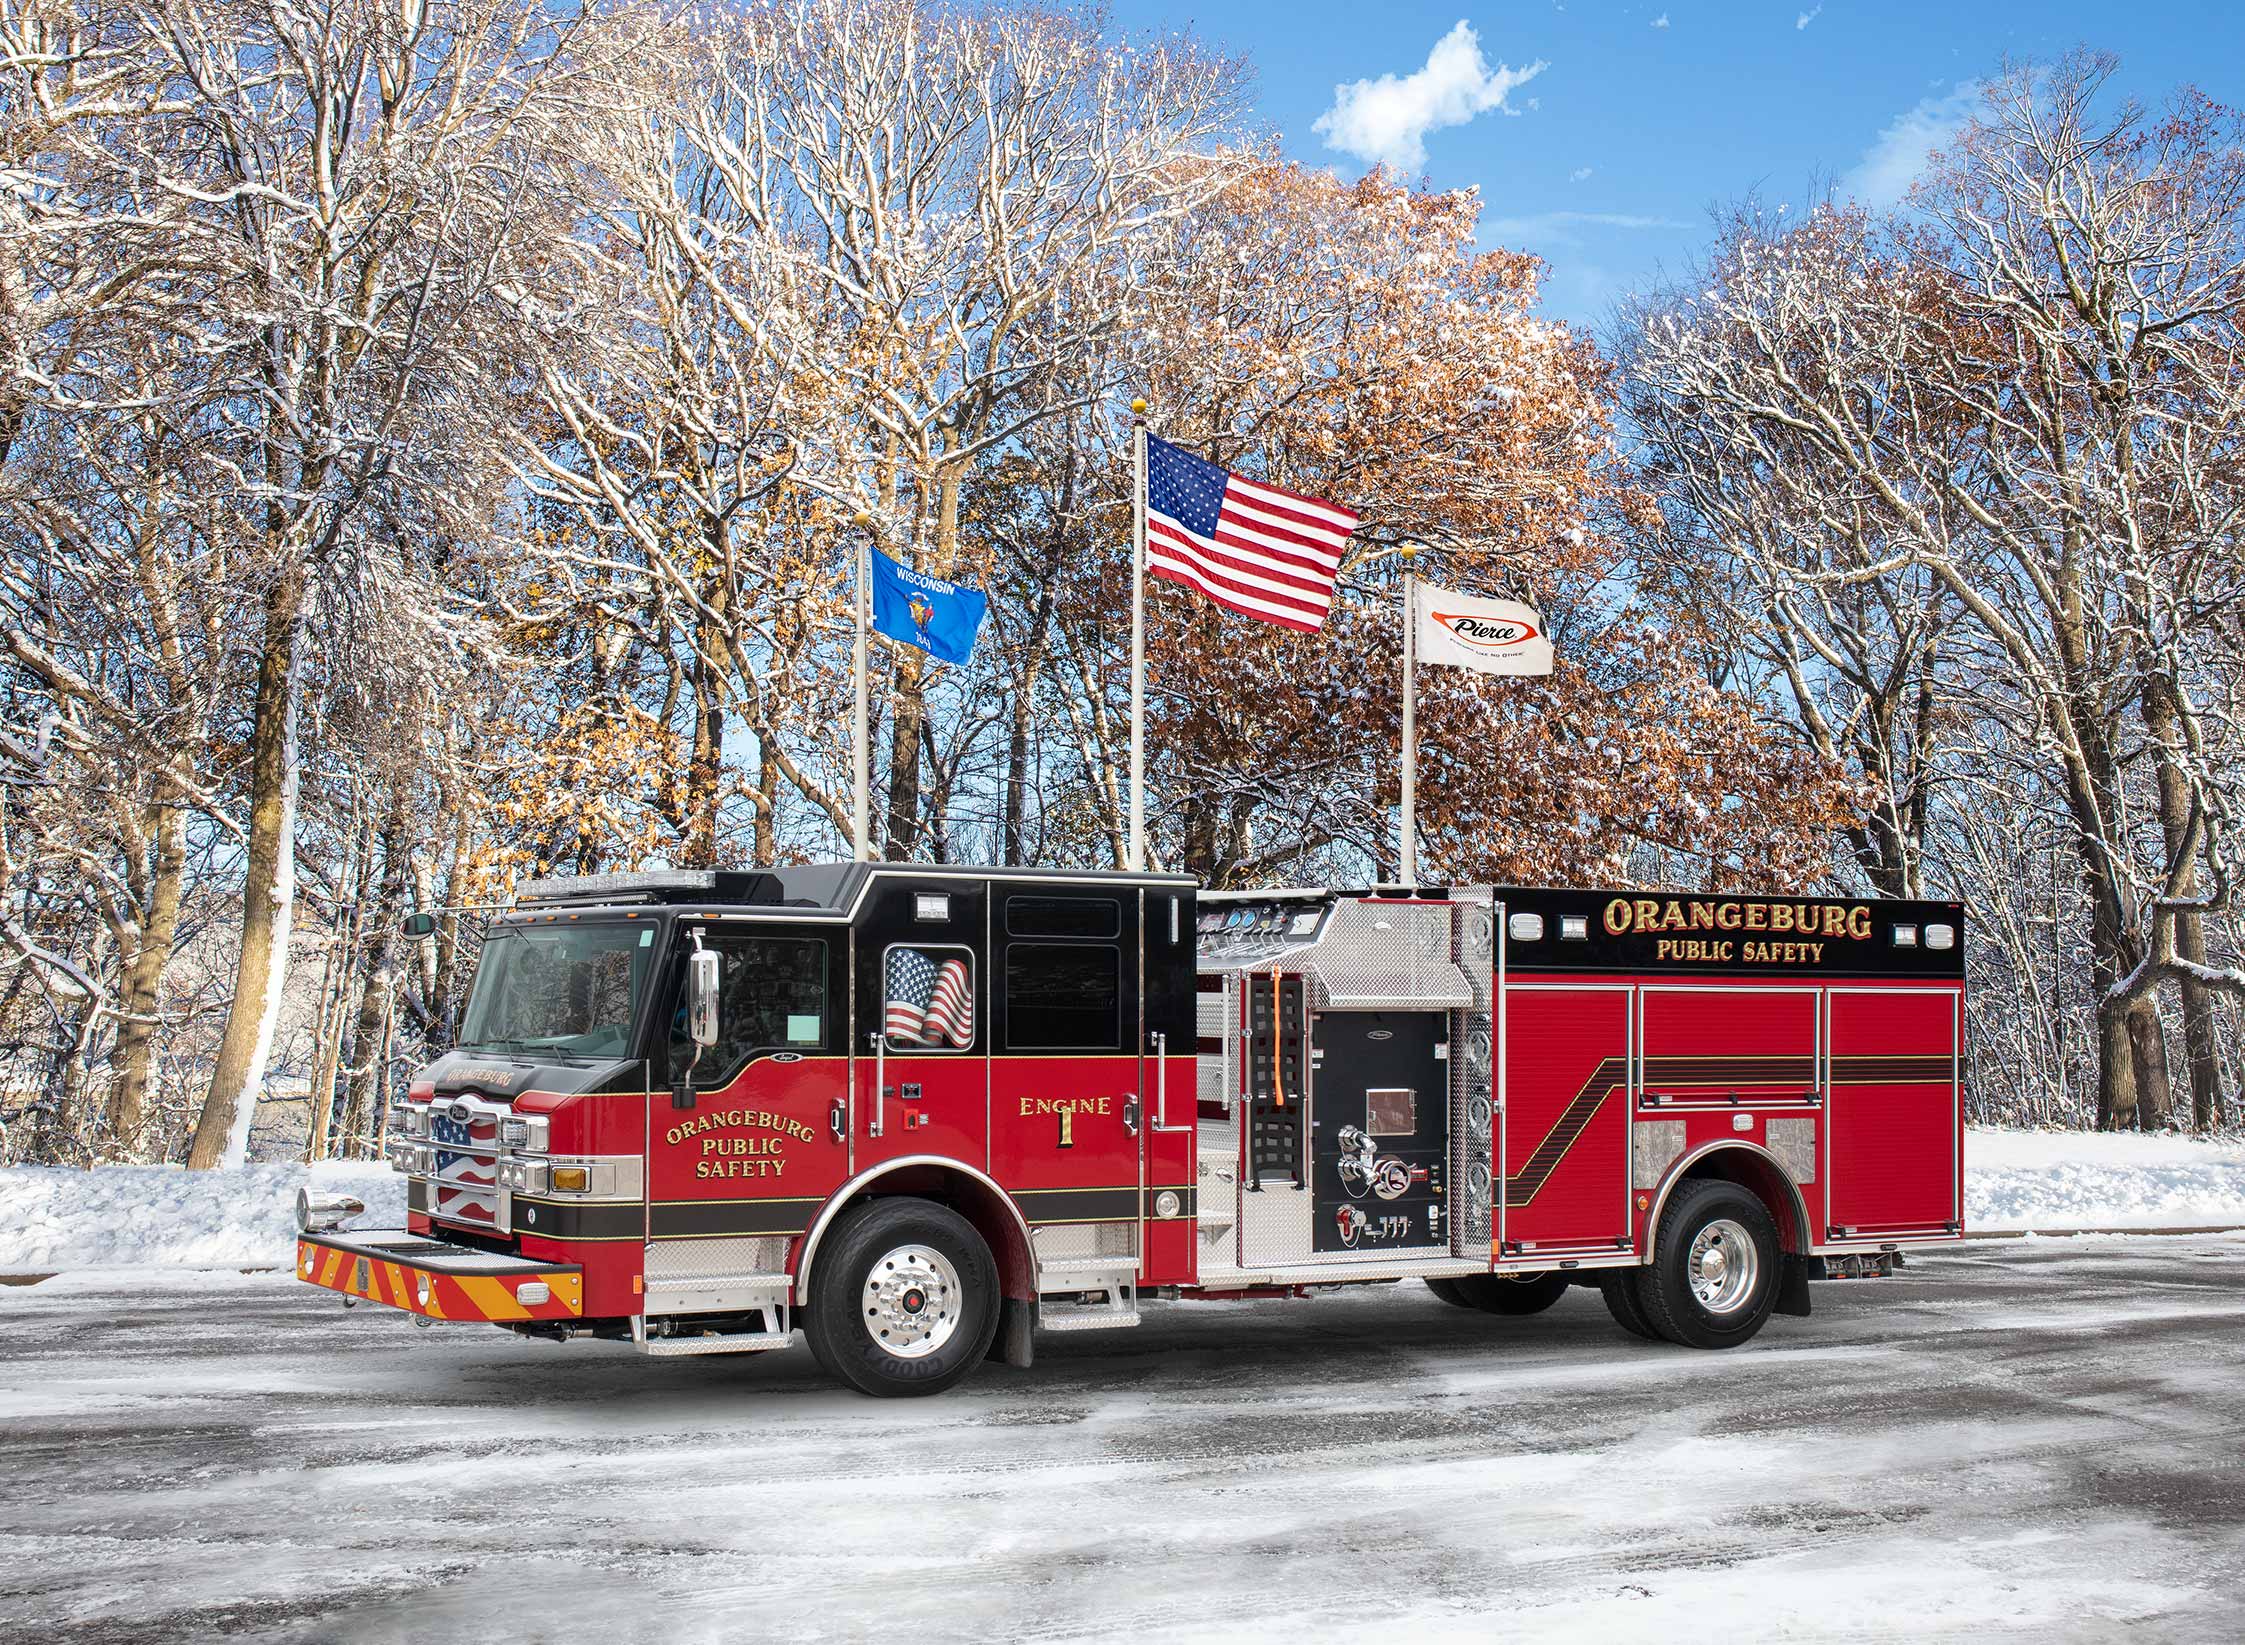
[[923, 1113]]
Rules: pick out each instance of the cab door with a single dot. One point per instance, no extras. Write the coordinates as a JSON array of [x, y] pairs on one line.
[[1069, 1070], [922, 1034], [763, 1143]]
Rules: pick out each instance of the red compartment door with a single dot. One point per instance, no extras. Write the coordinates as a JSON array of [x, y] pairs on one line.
[[1566, 1119], [1893, 1151], [1729, 1046]]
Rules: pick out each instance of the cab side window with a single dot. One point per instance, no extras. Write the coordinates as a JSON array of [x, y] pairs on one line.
[[772, 997], [1064, 986]]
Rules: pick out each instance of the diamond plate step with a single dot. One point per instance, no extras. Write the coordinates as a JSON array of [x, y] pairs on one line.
[[1116, 1307], [747, 1342]]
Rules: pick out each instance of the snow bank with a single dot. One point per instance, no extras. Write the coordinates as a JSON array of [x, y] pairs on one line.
[[2089, 1179], [130, 1216]]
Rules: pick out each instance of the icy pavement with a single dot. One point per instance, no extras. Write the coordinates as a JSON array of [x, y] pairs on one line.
[[2033, 1441]]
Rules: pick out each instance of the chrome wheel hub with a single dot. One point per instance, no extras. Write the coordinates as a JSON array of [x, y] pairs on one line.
[[1722, 1266], [911, 1301]]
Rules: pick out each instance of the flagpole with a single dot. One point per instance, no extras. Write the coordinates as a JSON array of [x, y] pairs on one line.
[[861, 806], [1408, 856], [1137, 861]]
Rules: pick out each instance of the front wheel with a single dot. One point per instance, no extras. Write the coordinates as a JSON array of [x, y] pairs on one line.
[[906, 1300], [1713, 1279]]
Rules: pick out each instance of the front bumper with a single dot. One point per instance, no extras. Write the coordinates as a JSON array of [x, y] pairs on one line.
[[441, 1281]]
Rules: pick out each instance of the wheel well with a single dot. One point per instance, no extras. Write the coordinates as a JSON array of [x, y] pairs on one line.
[[1759, 1175], [986, 1207]]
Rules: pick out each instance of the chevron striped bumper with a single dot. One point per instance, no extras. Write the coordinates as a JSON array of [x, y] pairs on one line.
[[441, 1281]]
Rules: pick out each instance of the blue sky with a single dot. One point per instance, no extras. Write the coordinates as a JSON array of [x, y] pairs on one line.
[[1605, 160]]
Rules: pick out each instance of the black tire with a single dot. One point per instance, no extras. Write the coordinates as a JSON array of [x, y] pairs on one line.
[[1513, 1297], [1447, 1290], [934, 1261], [1665, 1292], [1619, 1287]]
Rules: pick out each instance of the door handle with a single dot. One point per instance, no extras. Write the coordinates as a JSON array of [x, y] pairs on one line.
[[880, 1079], [1130, 1115], [837, 1115]]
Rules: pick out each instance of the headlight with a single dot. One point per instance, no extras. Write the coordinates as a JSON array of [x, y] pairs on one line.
[[416, 1119], [525, 1131], [522, 1176]]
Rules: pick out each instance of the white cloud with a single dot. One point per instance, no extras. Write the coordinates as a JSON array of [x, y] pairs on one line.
[[1890, 165], [1580, 174], [1808, 17], [1661, 21], [1561, 229], [1386, 120]]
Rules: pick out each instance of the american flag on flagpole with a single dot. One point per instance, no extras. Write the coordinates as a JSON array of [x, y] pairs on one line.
[[1251, 548], [928, 1003]]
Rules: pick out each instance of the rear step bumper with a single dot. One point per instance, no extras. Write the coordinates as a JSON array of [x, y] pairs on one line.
[[439, 1281]]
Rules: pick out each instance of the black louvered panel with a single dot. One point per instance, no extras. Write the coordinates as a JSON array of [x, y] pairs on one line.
[[1277, 1067]]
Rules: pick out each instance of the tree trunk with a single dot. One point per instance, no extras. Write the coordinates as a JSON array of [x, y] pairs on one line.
[[705, 769], [2147, 1044], [1021, 731], [133, 1060], [2116, 1074], [268, 888], [2116, 1065], [2201, 1040], [378, 977], [908, 709], [335, 984]]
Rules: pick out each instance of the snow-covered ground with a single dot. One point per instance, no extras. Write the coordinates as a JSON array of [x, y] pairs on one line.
[[2088, 1179], [134, 1216], [138, 1216]]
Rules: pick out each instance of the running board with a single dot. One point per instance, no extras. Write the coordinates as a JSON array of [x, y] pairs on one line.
[[778, 1332], [1096, 1302]]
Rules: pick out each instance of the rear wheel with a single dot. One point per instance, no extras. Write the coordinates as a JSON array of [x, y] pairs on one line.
[[1506, 1294], [906, 1299], [1619, 1288], [1448, 1291], [1713, 1280]]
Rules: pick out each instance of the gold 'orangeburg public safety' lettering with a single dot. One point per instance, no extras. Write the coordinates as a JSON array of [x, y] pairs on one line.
[[740, 1156], [1657, 916]]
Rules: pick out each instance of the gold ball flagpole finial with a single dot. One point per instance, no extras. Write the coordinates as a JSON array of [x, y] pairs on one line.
[[1138, 408], [861, 519], [1409, 551]]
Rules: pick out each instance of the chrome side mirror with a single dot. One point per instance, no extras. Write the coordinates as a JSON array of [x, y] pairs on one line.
[[703, 973]]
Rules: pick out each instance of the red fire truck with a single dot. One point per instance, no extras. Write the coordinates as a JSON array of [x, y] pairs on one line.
[[923, 1113]]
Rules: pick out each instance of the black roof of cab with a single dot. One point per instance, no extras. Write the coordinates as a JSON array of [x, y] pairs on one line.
[[828, 886]]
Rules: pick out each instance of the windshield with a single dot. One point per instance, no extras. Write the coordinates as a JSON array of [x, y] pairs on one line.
[[571, 990]]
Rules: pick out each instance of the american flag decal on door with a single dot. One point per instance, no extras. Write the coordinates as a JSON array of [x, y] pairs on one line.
[[928, 1001]]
